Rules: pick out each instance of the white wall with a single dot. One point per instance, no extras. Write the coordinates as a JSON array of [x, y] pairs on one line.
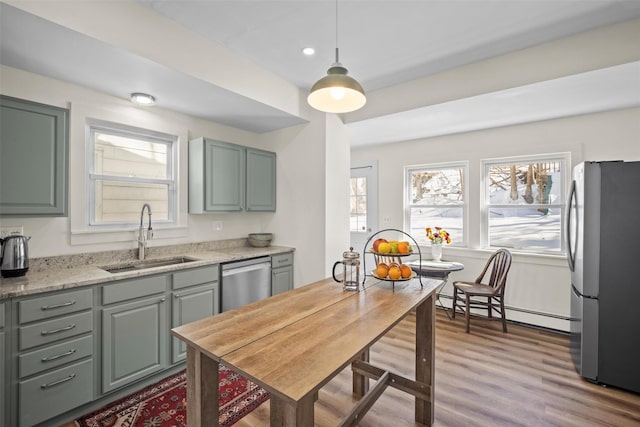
[[536, 283], [301, 205]]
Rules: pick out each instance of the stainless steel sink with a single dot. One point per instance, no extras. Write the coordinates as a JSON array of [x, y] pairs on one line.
[[142, 265]]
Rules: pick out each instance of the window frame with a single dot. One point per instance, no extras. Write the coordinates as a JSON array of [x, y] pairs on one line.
[[566, 168], [122, 130], [464, 165]]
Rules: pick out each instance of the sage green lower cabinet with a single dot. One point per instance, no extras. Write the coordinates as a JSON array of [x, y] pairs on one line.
[[134, 332], [196, 295], [281, 273], [54, 367], [3, 377]]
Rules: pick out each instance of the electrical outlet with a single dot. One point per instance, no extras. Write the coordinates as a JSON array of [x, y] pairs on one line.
[[8, 231], [216, 225]]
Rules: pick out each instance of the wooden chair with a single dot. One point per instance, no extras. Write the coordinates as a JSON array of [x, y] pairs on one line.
[[466, 295]]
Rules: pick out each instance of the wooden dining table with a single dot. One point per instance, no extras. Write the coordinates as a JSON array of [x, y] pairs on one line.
[[293, 343]]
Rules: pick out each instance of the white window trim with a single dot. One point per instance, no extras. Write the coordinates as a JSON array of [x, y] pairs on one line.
[[484, 206], [93, 125], [465, 191]]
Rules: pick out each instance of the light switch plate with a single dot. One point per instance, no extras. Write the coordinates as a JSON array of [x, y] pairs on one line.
[[8, 231]]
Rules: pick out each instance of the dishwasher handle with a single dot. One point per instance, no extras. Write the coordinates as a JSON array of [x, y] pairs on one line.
[[239, 270]]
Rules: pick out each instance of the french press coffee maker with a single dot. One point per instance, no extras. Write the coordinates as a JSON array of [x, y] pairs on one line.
[[351, 270]]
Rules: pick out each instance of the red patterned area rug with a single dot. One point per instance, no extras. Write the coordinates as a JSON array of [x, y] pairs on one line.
[[164, 403]]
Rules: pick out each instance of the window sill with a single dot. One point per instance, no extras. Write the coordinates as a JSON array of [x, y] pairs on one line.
[[128, 234]]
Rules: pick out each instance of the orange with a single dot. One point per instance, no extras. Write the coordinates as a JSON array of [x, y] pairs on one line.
[[405, 271], [403, 248], [394, 272], [382, 270]]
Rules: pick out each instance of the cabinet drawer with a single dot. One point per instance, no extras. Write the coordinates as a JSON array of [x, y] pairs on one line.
[[55, 355], [55, 330], [54, 305], [51, 394], [281, 260], [196, 276], [136, 288]]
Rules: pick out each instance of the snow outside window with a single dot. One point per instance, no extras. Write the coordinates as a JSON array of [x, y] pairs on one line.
[[436, 197], [524, 203], [129, 167]]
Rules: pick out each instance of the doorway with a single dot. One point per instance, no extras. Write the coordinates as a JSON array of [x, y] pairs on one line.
[[363, 220]]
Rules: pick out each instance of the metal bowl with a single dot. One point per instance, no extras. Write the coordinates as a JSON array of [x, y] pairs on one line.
[[260, 240]]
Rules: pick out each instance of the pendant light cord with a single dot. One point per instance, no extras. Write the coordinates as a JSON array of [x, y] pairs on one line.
[[337, 56]]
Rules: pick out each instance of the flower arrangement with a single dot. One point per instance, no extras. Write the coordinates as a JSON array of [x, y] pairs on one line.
[[439, 237]]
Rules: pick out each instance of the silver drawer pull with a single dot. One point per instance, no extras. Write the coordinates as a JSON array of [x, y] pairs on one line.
[[52, 307], [51, 358], [63, 380], [55, 331]]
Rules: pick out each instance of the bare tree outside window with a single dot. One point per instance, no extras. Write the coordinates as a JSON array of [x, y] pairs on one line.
[[525, 204], [436, 198]]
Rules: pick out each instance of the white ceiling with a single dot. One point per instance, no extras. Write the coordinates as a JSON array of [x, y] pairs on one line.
[[382, 43]]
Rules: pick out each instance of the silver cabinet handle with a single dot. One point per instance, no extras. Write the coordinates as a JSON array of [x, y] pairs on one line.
[[176, 296], [55, 331], [51, 358], [52, 307], [163, 299], [63, 380]]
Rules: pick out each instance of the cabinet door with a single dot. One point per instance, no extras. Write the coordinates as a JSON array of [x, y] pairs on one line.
[[134, 340], [281, 279], [3, 379], [190, 305], [34, 141], [261, 180], [224, 176]]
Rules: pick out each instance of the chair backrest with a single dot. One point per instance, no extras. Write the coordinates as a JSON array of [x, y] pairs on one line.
[[500, 263]]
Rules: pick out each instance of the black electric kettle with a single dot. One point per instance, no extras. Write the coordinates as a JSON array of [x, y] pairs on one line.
[[14, 260]]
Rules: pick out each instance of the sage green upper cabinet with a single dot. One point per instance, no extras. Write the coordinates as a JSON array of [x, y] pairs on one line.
[[34, 144], [226, 177], [261, 180]]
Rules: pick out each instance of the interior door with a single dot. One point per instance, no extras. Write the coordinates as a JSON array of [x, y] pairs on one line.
[[364, 203]]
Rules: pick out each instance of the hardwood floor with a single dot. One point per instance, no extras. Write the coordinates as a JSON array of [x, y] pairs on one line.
[[485, 378]]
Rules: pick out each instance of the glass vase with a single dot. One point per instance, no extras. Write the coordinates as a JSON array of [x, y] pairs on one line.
[[436, 251]]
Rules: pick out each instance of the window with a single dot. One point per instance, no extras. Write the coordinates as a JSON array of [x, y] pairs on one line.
[[358, 200], [524, 202], [436, 197], [129, 167]]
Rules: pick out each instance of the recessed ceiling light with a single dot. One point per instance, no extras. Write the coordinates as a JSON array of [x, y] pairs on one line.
[[142, 99], [308, 51]]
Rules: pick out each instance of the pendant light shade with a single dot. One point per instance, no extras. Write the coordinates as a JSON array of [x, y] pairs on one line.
[[337, 92]]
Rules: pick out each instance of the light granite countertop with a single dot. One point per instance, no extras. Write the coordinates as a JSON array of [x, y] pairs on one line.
[[66, 272]]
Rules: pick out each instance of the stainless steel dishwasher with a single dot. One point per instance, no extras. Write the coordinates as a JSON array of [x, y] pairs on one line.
[[244, 282]]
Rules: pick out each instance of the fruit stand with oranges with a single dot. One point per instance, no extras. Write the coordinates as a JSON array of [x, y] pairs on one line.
[[388, 256]]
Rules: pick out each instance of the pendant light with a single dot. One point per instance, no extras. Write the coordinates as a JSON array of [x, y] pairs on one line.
[[337, 92]]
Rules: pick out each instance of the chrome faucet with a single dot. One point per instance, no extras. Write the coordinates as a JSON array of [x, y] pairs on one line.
[[144, 235]]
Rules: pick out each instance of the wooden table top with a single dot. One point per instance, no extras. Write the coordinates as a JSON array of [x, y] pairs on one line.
[[293, 343]]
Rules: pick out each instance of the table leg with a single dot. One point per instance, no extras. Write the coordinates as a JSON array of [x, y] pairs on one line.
[[202, 390], [360, 382], [285, 414], [425, 358]]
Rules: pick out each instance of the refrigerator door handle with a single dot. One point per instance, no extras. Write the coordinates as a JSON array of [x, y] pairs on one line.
[[572, 201]]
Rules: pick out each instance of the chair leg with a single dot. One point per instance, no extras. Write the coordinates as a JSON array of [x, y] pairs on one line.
[[453, 306], [467, 310], [504, 319], [489, 308]]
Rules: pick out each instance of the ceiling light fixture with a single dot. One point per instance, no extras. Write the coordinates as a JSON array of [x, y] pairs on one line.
[[308, 51], [336, 92], [142, 99]]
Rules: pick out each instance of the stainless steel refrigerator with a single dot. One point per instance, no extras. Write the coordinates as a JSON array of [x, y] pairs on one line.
[[603, 237]]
